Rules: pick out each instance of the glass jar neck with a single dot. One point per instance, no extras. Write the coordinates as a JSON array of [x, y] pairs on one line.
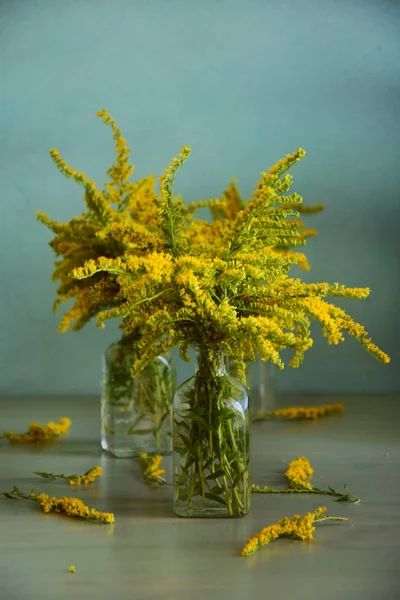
[[210, 362]]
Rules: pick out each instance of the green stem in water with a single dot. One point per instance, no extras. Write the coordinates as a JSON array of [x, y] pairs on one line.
[[209, 443]]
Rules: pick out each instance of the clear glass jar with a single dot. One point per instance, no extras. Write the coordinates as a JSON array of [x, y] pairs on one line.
[[211, 439], [135, 412], [263, 388], [261, 383]]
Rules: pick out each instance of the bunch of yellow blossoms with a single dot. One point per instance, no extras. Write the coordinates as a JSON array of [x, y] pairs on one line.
[[297, 528], [71, 507], [298, 472], [301, 412], [176, 281], [88, 477], [308, 412], [232, 203], [151, 467], [39, 433]]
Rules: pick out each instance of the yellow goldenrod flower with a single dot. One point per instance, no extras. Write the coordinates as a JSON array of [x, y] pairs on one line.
[[40, 433], [151, 467], [72, 507], [301, 412], [297, 528], [298, 472], [308, 412], [87, 477]]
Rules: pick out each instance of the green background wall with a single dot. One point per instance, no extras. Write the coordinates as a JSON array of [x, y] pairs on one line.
[[243, 82]]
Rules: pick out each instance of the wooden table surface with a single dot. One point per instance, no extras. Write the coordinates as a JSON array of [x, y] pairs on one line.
[[149, 553]]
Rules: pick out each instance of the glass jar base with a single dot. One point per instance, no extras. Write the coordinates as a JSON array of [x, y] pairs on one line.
[[125, 449], [216, 512]]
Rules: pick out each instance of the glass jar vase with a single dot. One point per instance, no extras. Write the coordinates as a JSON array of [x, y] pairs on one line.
[[135, 412], [261, 383], [211, 442], [263, 388]]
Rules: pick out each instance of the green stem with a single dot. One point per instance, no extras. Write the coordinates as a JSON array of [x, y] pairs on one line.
[[330, 492], [328, 518], [209, 444]]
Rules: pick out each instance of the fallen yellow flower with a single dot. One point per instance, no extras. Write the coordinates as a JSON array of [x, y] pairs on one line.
[[151, 468], [296, 528], [72, 507], [298, 472], [308, 412], [87, 477], [39, 433]]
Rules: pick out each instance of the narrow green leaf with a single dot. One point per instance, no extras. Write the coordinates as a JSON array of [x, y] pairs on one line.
[[208, 463], [188, 464], [229, 415], [215, 498], [238, 478], [216, 489], [45, 475], [216, 474], [187, 442], [234, 456], [197, 419]]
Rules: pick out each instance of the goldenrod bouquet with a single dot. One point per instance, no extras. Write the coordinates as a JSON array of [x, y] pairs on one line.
[[230, 289], [223, 287]]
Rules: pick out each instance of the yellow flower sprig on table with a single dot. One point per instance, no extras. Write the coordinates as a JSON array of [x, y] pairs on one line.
[[71, 507], [308, 412], [151, 468], [301, 412], [39, 433], [296, 528], [87, 477], [297, 474]]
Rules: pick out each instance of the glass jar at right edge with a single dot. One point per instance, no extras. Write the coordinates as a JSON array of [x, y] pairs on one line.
[[262, 385]]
